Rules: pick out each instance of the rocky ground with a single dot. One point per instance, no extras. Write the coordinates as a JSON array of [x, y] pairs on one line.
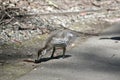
[[22, 36]]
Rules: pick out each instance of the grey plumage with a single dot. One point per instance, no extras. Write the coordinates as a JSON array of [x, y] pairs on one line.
[[59, 38]]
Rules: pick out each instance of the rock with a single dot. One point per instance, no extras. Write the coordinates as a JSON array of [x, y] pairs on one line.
[[14, 1], [11, 5]]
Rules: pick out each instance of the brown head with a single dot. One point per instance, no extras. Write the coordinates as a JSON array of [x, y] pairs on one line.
[[41, 52]]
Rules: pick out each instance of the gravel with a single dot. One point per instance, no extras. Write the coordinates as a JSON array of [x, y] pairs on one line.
[[27, 28]]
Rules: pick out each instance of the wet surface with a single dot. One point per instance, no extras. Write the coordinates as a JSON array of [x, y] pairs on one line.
[[93, 59], [16, 56]]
